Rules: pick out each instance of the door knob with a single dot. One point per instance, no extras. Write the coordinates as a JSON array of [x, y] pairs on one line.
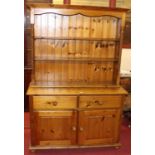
[[73, 128], [81, 129]]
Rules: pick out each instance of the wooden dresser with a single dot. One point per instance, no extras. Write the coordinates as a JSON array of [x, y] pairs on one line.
[[75, 96]]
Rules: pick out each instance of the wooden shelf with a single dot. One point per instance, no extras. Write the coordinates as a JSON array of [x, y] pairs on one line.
[[78, 38], [73, 84], [36, 90], [77, 59]]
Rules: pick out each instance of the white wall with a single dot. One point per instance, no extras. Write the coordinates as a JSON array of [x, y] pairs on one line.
[[126, 61]]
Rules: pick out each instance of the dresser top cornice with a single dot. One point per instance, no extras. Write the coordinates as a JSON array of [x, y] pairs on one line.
[[59, 6]]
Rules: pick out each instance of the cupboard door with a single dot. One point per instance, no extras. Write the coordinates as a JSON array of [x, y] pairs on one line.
[[55, 128], [98, 127]]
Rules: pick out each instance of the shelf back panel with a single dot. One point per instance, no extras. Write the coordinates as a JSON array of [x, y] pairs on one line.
[[47, 49], [57, 25], [72, 71]]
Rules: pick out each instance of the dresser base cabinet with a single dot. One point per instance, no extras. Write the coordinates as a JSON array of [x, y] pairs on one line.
[[83, 120]]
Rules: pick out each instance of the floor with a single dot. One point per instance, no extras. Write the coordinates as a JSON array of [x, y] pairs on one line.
[[124, 150]]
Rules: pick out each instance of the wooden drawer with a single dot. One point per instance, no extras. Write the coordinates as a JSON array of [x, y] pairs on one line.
[[109, 101], [54, 102]]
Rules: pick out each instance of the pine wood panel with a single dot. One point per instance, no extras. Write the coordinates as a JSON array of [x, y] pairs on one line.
[[77, 25], [98, 127], [100, 101], [48, 49], [96, 72], [76, 91], [54, 102], [53, 128]]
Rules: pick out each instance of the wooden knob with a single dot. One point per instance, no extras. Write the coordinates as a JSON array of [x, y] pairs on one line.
[[88, 103], [73, 128], [98, 102], [81, 129], [54, 103]]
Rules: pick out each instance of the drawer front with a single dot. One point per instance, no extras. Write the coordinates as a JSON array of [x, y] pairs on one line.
[[54, 102], [109, 101]]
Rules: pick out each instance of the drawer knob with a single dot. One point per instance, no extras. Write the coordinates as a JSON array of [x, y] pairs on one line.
[[54, 103], [98, 102], [88, 104]]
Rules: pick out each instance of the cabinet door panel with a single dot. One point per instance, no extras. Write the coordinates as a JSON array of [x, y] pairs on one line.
[[98, 126], [55, 128]]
